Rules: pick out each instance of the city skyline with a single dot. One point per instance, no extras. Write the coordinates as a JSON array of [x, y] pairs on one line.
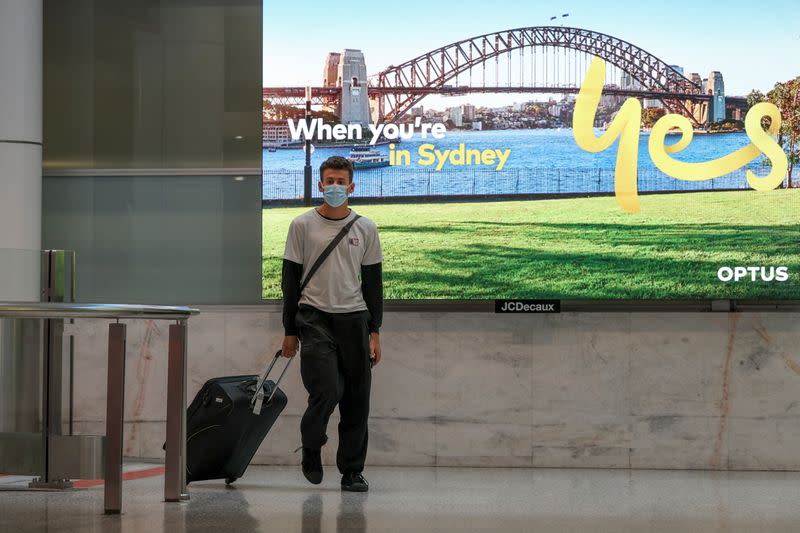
[[737, 53]]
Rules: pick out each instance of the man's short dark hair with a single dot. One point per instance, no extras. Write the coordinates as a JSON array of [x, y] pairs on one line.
[[336, 162]]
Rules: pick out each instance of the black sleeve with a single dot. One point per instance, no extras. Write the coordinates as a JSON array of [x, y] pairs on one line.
[[372, 289], [290, 284]]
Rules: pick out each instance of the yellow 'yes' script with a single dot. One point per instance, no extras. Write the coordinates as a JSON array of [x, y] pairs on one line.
[[626, 127]]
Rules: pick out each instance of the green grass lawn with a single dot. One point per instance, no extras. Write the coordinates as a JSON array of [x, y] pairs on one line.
[[585, 248]]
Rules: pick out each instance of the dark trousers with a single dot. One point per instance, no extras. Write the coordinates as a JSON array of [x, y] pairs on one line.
[[335, 367]]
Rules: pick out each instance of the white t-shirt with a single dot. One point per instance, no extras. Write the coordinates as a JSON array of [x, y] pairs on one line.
[[336, 285]]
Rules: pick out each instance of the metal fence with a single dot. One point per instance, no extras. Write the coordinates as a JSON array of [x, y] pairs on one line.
[[286, 186]]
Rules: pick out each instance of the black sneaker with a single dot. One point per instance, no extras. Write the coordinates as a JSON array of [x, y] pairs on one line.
[[312, 465], [354, 482]]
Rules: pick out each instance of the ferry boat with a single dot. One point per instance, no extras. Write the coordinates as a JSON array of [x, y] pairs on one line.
[[362, 156]]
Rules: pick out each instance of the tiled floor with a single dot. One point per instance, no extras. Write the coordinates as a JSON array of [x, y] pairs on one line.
[[277, 499], [130, 471]]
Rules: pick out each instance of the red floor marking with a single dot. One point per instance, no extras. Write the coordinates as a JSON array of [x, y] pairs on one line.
[[126, 476]]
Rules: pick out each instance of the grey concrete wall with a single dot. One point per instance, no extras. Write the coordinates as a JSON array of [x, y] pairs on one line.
[[621, 390]]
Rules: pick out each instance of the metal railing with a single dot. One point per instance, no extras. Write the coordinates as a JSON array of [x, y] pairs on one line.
[[286, 186], [175, 463], [112, 311]]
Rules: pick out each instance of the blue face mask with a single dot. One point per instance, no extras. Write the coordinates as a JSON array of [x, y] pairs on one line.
[[335, 195]]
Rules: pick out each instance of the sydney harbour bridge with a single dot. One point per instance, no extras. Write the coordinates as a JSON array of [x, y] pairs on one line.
[[540, 59]]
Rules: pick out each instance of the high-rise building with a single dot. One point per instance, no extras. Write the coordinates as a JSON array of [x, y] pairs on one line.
[[417, 111], [696, 79], [468, 110], [628, 82], [456, 116], [611, 100], [716, 88], [679, 70]]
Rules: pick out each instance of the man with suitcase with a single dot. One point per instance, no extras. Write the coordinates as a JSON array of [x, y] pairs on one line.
[[336, 312]]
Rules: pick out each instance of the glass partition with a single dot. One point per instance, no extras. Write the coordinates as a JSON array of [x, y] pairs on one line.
[[151, 239]]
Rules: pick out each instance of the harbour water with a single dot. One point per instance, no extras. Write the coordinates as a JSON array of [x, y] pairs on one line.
[[541, 161]]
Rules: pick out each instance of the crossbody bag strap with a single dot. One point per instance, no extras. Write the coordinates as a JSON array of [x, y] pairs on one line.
[[325, 253]]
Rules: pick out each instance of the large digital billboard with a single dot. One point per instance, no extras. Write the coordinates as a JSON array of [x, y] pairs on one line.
[[634, 152]]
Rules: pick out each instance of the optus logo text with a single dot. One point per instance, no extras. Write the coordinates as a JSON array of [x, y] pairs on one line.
[[753, 273]]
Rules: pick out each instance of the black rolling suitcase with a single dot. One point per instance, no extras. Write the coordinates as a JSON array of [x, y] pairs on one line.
[[227, 421]]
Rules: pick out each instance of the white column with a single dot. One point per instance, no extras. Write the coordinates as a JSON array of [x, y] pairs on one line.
[[20, 148]]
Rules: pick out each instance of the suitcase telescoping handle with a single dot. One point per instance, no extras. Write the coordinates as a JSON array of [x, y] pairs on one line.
[[257, 401]]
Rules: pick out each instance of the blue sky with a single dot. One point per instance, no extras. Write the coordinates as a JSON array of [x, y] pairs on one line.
[[753, 43]]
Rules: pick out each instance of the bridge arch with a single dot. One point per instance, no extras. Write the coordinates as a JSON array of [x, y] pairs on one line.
[[437, 67]]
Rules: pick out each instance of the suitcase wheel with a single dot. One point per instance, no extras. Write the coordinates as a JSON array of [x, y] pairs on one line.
[[230, 480]]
